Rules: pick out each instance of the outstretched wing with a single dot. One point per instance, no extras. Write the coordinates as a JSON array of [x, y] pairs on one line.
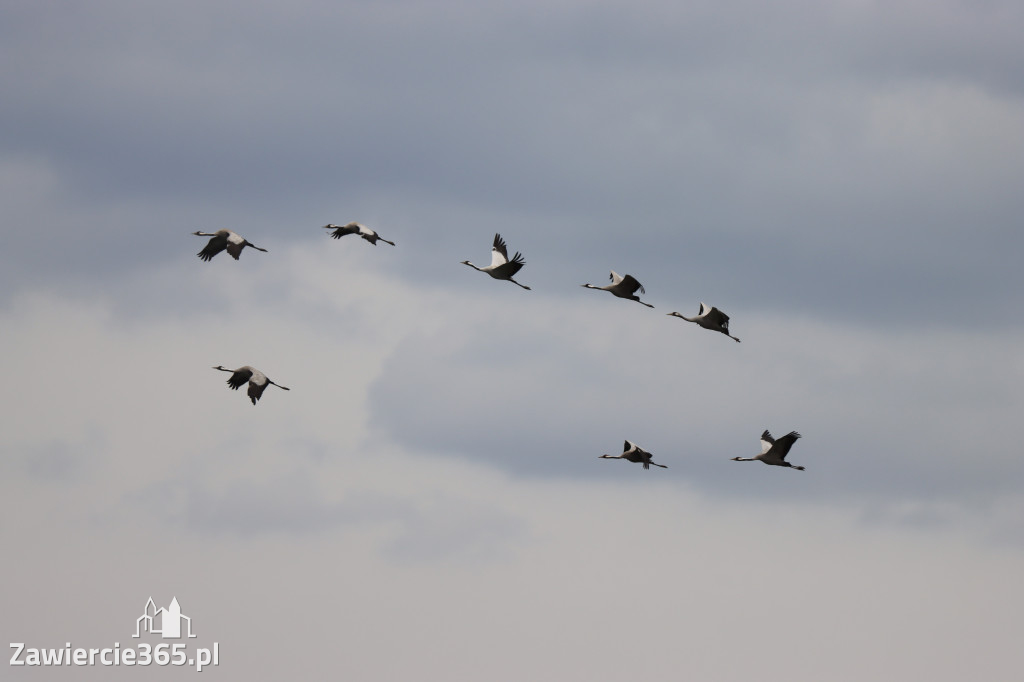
[[499, 253], [341, 230], [630, 285], [257, 384], [766, 441], [718, 318], [782, 445], [514, 265], [368, 234], [235, 244], [614, 278], [643, 457], [255, 391], [240, 376], [213, 247], [628, 446]]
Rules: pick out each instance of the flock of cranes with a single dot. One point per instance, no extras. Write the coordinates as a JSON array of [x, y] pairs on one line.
[[773, 450]]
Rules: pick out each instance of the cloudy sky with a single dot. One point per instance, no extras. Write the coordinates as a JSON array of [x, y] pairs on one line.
[[427, 501]]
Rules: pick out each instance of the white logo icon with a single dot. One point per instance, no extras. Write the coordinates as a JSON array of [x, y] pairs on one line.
[[163, 622]]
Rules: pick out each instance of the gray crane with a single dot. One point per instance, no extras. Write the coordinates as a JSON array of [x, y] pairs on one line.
[[501, 267], [623, 287], [258, 381], [632, 453], [774, 451], [356, 228], [221, 240], [710, 318]]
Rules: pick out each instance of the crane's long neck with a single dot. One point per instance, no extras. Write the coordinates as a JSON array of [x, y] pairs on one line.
[[744, 459], [466, 262]]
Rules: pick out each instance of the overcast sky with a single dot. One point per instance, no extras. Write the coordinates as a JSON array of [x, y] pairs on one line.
[[427, 502]]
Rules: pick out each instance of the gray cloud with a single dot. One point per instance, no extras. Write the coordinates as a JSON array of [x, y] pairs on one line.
[[57, 461], [769, 147], [432, 529], [545, 393]]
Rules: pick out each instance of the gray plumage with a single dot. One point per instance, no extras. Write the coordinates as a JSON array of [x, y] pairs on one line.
[[774, 451], [623, 287], [501, 266], [356, 228], [711, 318], [632, 453], [258, 381], [222, 240]]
